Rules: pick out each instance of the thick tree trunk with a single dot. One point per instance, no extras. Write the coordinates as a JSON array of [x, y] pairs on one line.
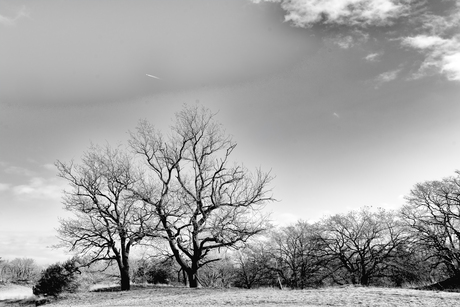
[[192, 279], [125, 279], [364, 280]]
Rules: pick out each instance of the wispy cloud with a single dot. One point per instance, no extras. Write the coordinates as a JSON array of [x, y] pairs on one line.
[[39, 188], [12, 20], [387, 77], [28, 244], [373, 57], [345, 42]]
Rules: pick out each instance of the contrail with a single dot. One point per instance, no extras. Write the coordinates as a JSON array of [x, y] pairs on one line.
[[152, 76]]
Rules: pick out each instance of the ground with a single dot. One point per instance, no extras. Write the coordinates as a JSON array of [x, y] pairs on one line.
[[335, 296], [14, 291]]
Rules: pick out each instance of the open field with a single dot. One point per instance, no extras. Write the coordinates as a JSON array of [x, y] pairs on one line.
[[336, 296], [14, 291]]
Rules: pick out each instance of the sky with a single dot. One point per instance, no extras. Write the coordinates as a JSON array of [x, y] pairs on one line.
[[348, 103]]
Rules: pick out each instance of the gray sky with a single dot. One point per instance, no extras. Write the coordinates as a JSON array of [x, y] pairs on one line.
[[346, 107]]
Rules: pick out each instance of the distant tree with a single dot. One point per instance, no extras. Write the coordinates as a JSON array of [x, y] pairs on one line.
[[254, 265], [218, 274], [23, 270], [204, 202], [154, 271], [363, 244], [432, 212], [108, 221], [296, 248]]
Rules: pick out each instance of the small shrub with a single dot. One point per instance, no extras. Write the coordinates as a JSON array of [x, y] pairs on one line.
[[157, 276], [153, 272], [57, 278]]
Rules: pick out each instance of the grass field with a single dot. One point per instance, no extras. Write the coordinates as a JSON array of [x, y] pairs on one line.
[[178, 296]]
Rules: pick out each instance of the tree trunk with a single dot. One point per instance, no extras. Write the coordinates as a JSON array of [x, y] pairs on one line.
[[125, 279], [364, 280], [192, 279]]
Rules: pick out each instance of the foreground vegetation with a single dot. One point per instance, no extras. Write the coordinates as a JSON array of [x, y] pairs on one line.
[[180, 296]]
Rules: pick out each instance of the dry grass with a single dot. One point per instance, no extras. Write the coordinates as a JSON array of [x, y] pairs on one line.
[[336, 296], [339, 296]]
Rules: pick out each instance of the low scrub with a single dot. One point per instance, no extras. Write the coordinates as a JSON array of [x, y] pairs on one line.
[[57, 278]]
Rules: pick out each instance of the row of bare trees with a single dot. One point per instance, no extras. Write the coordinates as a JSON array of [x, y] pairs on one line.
[[18, 270], [182, 190], [178, 188], [420, 243]]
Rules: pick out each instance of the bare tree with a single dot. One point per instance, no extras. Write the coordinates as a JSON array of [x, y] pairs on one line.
[[432, 212], [363, 243], [108, 221], [254, 265], [203, 202], [296, 248], [23, 269]]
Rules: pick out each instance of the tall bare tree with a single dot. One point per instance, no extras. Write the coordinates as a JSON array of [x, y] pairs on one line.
[[108, 221], [432, 212], [203, 201]]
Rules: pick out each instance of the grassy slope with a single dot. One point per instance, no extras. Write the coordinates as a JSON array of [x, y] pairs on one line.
[[339, 296]]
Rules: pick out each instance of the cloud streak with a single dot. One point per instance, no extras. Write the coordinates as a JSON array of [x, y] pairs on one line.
[[11, 21], [387, 77], [39, 188], [373, 57]]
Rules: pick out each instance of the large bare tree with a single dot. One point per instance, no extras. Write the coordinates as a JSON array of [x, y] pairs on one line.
[[432, 212], [108, 221], [203, 201]]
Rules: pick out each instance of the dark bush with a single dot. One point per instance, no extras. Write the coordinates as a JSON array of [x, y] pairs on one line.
[[153, 272], [158, 276], [57, 278]]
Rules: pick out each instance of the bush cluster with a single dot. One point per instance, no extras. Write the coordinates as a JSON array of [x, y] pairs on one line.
[[57, 278]]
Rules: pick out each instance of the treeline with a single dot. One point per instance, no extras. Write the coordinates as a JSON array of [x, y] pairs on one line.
[[19, 270], [416, 245], [180, 192]]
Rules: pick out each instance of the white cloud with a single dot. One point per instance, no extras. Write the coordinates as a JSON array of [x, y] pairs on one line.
[[11, 21], [39, 188], [344, 42], [431, 29], [424, 41], [451, 66], [373, 57], [306, 13], [388, 76], [442, 55]]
